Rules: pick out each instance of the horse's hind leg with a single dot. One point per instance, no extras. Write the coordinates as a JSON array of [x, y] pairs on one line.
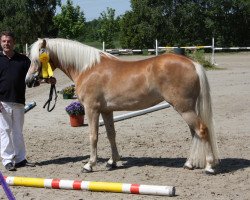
[[109, 124], [188, 163], [201, 152]]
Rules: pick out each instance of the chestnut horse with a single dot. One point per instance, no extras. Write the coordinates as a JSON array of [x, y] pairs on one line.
[[104, 84]]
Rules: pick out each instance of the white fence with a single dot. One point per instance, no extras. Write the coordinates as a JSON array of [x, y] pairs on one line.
[[163, 49]]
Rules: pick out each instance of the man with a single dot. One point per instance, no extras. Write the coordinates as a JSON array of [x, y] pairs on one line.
[[13, 69]]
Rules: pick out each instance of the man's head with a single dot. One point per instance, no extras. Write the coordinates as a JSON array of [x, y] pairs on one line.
[[7, 42]]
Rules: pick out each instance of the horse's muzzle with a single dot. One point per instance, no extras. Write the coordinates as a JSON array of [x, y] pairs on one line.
[[33, 81]]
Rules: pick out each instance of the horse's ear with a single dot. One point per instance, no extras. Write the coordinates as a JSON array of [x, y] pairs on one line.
[[43, 44]]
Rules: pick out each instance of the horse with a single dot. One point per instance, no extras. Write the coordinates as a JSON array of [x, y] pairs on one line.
[[105, 83]]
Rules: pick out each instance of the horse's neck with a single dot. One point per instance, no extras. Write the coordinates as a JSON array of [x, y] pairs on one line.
[[71, 72]]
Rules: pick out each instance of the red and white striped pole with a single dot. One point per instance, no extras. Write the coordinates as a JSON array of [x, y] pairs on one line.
[[91, 186]]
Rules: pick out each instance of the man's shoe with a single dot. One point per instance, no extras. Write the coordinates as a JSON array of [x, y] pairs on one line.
[[24, 163], [10, 167]]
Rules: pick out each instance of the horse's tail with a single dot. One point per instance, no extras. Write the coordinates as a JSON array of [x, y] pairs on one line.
[[204, 111]]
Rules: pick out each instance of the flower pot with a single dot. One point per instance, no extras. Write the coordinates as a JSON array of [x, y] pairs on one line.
[[67, 96], [76, 120]]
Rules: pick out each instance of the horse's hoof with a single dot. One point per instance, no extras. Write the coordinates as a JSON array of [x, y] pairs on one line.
[[111, 166], [210, 171], [188, 166], [87, 169]]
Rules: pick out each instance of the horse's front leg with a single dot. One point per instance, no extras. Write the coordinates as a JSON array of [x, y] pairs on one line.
[[93, 121], [109, 124]]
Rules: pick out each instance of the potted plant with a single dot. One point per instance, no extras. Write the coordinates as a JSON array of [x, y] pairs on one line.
[[76, 112], [68, 92]]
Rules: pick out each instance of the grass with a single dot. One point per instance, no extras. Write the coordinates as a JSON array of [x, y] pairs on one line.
[[199, 56]]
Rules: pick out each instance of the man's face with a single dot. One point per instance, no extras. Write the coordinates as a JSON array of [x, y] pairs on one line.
[[7, 43]]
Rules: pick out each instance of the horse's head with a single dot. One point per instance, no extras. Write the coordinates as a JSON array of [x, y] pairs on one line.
[[41, 67]]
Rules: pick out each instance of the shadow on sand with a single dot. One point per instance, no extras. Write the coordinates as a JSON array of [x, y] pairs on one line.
[[61, 161], [226, 165]]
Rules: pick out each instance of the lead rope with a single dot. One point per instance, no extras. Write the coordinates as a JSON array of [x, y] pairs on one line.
[[47, 72], [47, 103]]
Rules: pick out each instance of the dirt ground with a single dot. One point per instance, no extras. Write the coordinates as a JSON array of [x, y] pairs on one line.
[[153, 147]]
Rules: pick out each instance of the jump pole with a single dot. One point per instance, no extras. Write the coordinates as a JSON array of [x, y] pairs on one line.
[[91, 186], [6, 189], [137, 113], [29, 106]]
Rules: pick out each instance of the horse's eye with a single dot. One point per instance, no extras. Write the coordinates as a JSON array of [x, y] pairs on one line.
[[42, 50]]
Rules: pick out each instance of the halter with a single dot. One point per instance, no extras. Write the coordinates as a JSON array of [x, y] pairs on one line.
[[47, 72]]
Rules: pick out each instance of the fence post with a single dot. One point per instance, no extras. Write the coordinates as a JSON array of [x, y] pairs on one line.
[[26, 49], [213, 49], [103, 46], [156, 47]]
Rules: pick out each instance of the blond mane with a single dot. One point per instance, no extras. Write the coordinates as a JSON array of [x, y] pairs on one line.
[[69, 53]]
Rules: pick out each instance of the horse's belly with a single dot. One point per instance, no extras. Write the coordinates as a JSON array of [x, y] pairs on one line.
[[129, 104]]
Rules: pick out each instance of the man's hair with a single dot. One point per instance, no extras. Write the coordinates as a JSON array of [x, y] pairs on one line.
[[7, 33]]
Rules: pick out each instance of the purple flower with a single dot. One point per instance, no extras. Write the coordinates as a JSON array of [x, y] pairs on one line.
[[75, 108]]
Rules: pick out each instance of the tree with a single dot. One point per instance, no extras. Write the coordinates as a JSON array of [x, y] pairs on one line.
[[172, 22], [28, 19], [70, 22], [108, 27], [41, 13], [229, 21], [91, 33], [11, 17], [185, 22], [148, 20]]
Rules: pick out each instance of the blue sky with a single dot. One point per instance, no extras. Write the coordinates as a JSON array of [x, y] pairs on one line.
[[93, 8]]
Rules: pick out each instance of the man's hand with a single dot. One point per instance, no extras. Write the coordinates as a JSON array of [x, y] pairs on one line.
[[51, 80]]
